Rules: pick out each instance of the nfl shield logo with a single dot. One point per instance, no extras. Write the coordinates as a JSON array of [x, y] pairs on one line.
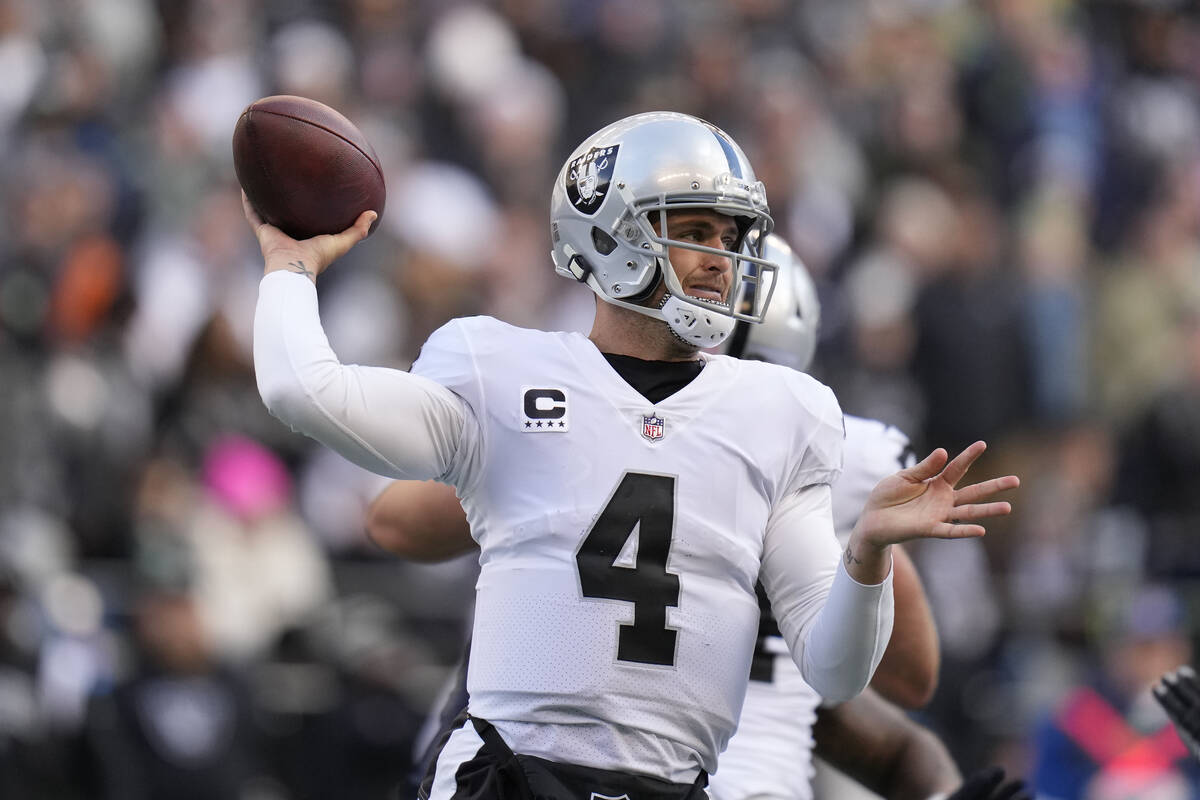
[[652, 427]]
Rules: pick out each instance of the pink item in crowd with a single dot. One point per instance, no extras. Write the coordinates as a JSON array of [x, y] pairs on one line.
[[245, 477]]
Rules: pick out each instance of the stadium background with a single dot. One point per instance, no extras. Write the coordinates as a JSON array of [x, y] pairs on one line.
[[1000, 202]]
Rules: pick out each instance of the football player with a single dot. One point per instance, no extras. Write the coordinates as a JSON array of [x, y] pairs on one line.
[[626, 490], [770, 755]]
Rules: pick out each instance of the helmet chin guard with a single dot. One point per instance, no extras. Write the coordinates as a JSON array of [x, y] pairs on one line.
[[694, 324]]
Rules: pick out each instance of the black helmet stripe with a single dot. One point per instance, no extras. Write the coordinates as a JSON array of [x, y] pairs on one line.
[[735, 164]]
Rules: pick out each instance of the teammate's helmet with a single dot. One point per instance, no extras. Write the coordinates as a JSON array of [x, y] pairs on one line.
[[600, 219], [788, 332]]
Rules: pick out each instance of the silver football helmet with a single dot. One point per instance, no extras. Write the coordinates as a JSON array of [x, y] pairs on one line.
[[788, 332], [648, 164]]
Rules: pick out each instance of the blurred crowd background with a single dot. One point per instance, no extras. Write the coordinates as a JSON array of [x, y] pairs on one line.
[[999, 201]]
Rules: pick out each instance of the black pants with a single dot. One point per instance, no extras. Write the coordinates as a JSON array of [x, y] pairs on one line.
[[494, 772]]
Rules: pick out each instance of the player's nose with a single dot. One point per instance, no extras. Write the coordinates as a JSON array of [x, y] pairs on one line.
[[717, 263]]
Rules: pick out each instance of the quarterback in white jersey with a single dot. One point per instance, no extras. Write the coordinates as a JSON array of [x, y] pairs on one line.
[[770, 755], [621, 537]]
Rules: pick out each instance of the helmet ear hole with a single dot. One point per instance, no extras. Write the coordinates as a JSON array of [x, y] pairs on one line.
[[603, 243]]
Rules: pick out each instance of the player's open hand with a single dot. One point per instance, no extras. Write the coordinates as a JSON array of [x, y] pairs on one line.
[[925, 501], [310, 256]]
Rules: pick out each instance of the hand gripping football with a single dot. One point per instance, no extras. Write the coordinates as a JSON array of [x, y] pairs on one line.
[[306, 168]]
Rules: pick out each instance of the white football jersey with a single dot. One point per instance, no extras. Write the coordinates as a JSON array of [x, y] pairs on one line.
[[620, 539], [770, 756]]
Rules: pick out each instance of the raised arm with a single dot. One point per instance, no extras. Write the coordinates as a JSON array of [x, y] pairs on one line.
[[386, 420], [419, 520], [837, 620]]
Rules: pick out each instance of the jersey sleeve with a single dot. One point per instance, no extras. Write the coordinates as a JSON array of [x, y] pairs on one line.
[[388, 421], [822, 434], [836, 628], [874, 450], [448, 358]]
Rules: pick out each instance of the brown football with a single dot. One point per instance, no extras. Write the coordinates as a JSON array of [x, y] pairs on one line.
[[306, 168]]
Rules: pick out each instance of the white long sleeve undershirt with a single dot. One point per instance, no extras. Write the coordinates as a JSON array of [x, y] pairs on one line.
[[385, 420], [405, 426], [838, 648]]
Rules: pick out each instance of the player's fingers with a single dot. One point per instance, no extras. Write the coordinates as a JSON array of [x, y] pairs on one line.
[[981, 510], [1188, 688], [1169, 699], [337, 245], [959, 465], [957, 530], [252, 216], [1179, 689], [356, 232], [927, 468], [984, 489], [364, 222], [1171, 702]]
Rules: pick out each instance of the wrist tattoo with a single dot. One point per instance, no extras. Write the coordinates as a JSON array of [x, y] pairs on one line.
[[298, 266], [849, 558]]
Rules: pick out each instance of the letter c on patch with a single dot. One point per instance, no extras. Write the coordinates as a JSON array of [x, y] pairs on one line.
[[545, 404]]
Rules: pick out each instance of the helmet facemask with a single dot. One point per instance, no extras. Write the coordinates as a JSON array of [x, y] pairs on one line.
[[698, 321]]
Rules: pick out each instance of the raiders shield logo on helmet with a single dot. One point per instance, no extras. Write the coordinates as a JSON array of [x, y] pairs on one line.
[[588, 177]]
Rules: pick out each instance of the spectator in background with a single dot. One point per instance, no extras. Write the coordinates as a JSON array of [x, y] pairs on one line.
[[1109, 738], [258, 569], [339, 701], [972, 305], [914, 225], [1160, 462], [1141, 299], [180, 726]]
